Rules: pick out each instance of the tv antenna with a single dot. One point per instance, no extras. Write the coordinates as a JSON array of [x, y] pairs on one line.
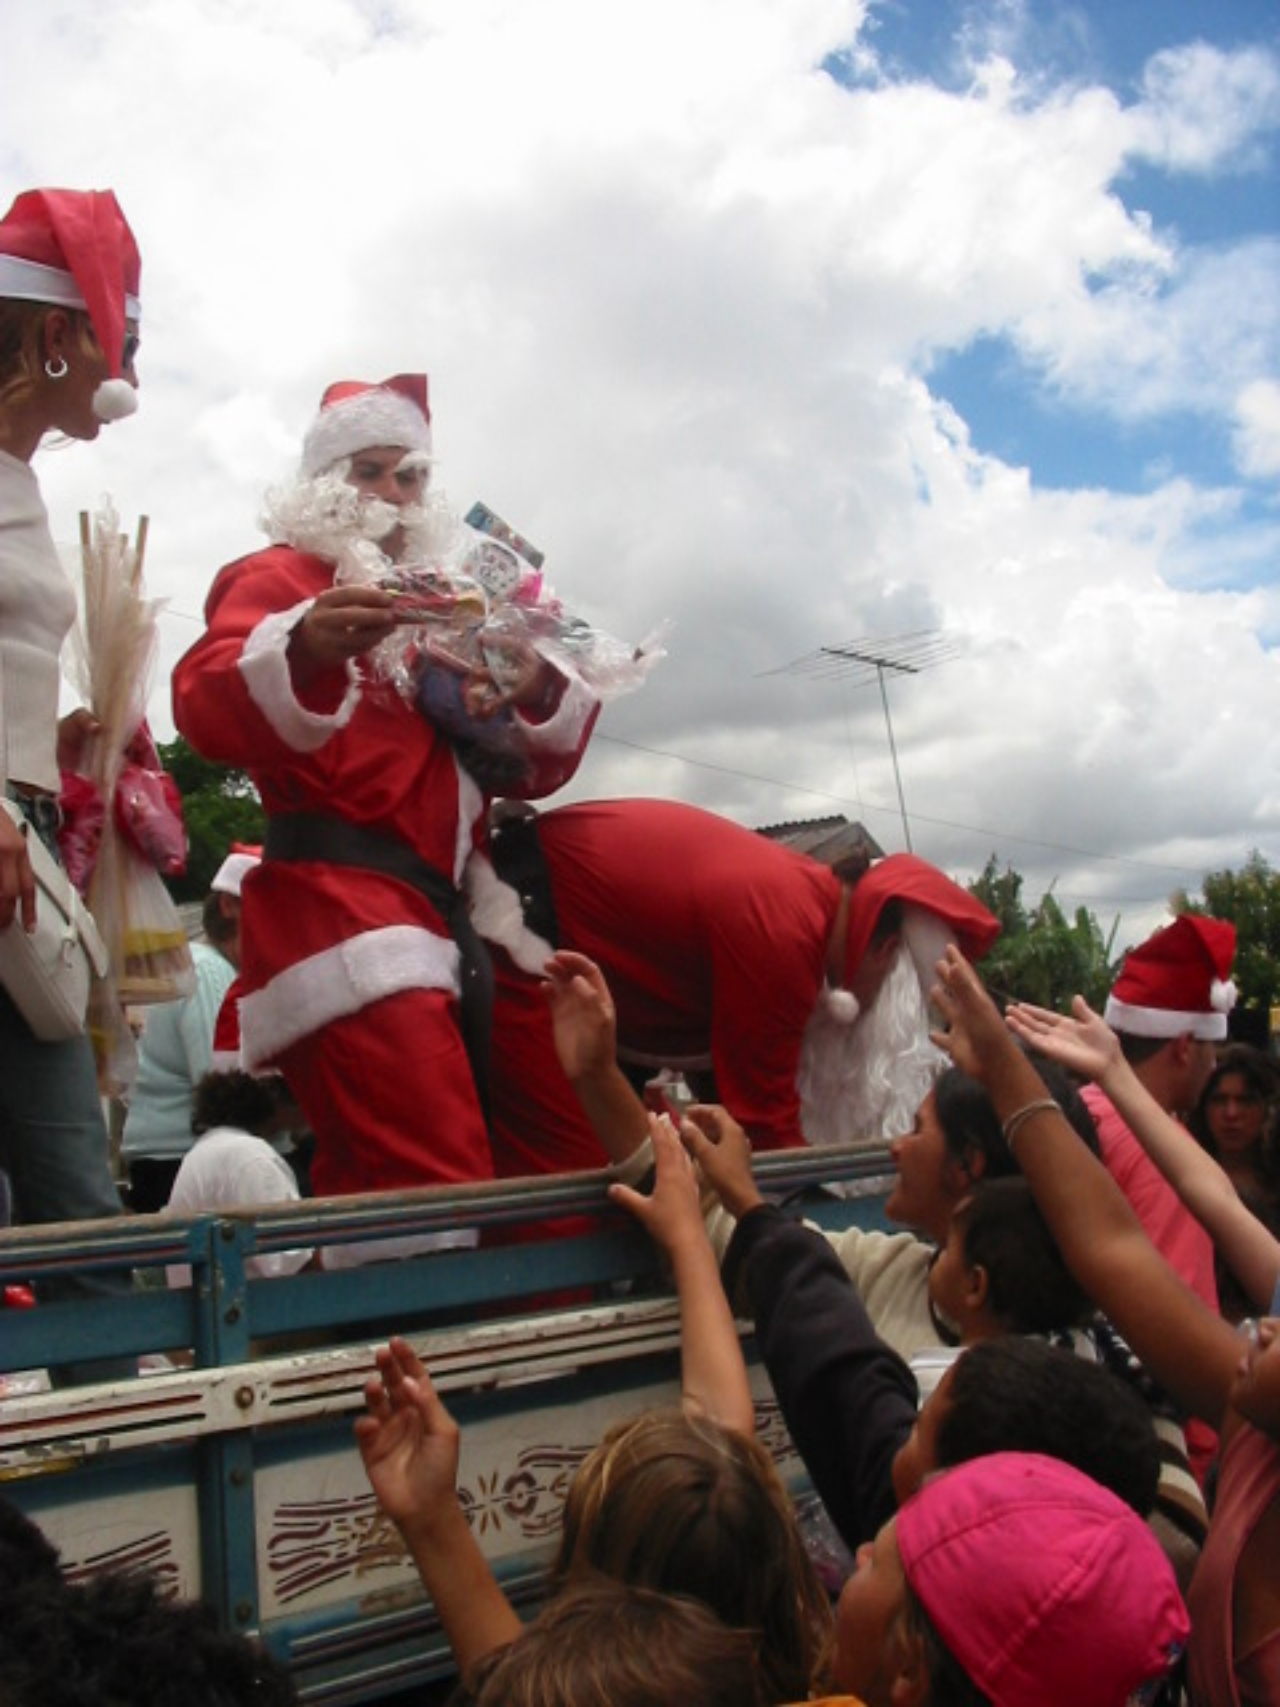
[[859, 661]]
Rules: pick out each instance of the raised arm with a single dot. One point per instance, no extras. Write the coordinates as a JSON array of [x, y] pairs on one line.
[[585, 1025], [1191, 1351], [1086, 1044], [713, 1370], [409, 1445]]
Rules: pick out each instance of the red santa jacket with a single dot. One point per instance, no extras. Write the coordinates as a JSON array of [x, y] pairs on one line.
[[324, 941]]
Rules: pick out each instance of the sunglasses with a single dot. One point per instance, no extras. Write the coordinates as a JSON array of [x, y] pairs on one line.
[[131, 342]]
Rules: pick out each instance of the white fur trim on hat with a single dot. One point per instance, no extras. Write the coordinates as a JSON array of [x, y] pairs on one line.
[[373, 417], [231, 873], [1165, 1022], [264, 664], [339, 981]]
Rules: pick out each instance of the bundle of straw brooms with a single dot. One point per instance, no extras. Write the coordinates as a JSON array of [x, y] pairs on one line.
[[150, 956]]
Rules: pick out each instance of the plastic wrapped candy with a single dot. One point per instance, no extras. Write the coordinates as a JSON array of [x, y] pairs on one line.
[[480, 627]]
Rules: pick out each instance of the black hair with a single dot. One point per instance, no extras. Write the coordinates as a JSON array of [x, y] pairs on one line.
[[1137, 1050], [237, 1099], [220, 923], [1260, 1073], [1030, 1289], [115, 1640], [1014, 1394], [889, 920], [969, 1121]]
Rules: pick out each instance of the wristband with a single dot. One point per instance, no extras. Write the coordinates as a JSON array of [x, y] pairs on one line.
[[1018, 1119]]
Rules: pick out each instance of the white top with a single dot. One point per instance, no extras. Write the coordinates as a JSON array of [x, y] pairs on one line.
[[37, 608], [229, 1169], [174, 1054]]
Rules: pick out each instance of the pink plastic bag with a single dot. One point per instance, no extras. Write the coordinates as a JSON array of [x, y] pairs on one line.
[[149, 808]]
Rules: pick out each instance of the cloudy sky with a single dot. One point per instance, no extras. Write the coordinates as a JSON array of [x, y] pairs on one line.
[[917, 327]]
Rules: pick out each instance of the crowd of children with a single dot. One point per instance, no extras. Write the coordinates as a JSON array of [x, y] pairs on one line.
[[1006, 1538]]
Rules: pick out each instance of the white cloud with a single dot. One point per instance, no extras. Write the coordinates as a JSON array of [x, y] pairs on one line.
[[1204, 109], [1258, 429], [676, 289]]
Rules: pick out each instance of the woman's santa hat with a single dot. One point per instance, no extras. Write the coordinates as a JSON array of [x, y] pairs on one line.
[[74, 249], [1178, 981], [356, 415]]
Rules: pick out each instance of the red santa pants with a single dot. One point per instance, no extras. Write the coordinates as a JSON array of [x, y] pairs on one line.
[[389, 1095]]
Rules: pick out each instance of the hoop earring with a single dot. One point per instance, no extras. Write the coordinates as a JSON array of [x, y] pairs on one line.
[[56, 370]]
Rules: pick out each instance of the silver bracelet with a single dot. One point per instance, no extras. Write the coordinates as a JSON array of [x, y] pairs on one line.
[[1018, 1119]]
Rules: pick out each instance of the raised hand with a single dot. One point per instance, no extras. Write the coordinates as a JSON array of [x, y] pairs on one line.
[[672, 1213], [1081, 1041], [975, 1036], [408, 1442], [722, 1151], [582, 1015]]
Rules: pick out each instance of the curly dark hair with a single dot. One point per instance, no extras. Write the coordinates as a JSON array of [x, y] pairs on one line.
[[115, 1640]]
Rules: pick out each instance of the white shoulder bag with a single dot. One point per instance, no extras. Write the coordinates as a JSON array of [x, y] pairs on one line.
[[47, 972]]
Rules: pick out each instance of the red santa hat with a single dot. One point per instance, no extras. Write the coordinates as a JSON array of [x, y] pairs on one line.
[[74, 249], [915, 883], [1177, 981], [233, 870], [356, 415]]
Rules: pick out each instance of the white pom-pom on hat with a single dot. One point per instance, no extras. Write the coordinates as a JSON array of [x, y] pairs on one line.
[[115, 400], [1222, 995], [842, 1005]]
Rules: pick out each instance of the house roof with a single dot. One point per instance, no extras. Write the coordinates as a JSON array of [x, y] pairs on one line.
[[848, 848]]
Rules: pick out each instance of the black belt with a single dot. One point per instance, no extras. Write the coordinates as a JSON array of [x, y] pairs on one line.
[[332, 841]]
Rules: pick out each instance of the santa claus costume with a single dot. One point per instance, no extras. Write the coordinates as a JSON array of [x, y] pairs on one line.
[[351, 969], [721, 949]]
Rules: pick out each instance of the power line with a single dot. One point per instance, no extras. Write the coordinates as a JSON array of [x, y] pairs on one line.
[[997, 836]]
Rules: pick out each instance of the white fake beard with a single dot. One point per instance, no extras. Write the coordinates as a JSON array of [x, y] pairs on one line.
[[326, 517], [867, 1080]]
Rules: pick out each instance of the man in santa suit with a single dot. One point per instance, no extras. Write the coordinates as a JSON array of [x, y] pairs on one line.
[[361, 980], [804, 995]]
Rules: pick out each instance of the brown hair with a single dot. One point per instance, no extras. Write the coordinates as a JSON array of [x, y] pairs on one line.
[[678, 1503], [609, 1644], [21, 358]]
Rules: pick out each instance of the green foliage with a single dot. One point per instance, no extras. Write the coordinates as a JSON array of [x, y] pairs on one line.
[[1042, 956], [220, 806], [1250, 899]]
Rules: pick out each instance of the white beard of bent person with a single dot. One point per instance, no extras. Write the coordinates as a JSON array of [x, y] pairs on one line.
[[867, 1080]]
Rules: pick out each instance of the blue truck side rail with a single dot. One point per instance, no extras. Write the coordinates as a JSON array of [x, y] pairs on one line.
[[236, 1478]]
